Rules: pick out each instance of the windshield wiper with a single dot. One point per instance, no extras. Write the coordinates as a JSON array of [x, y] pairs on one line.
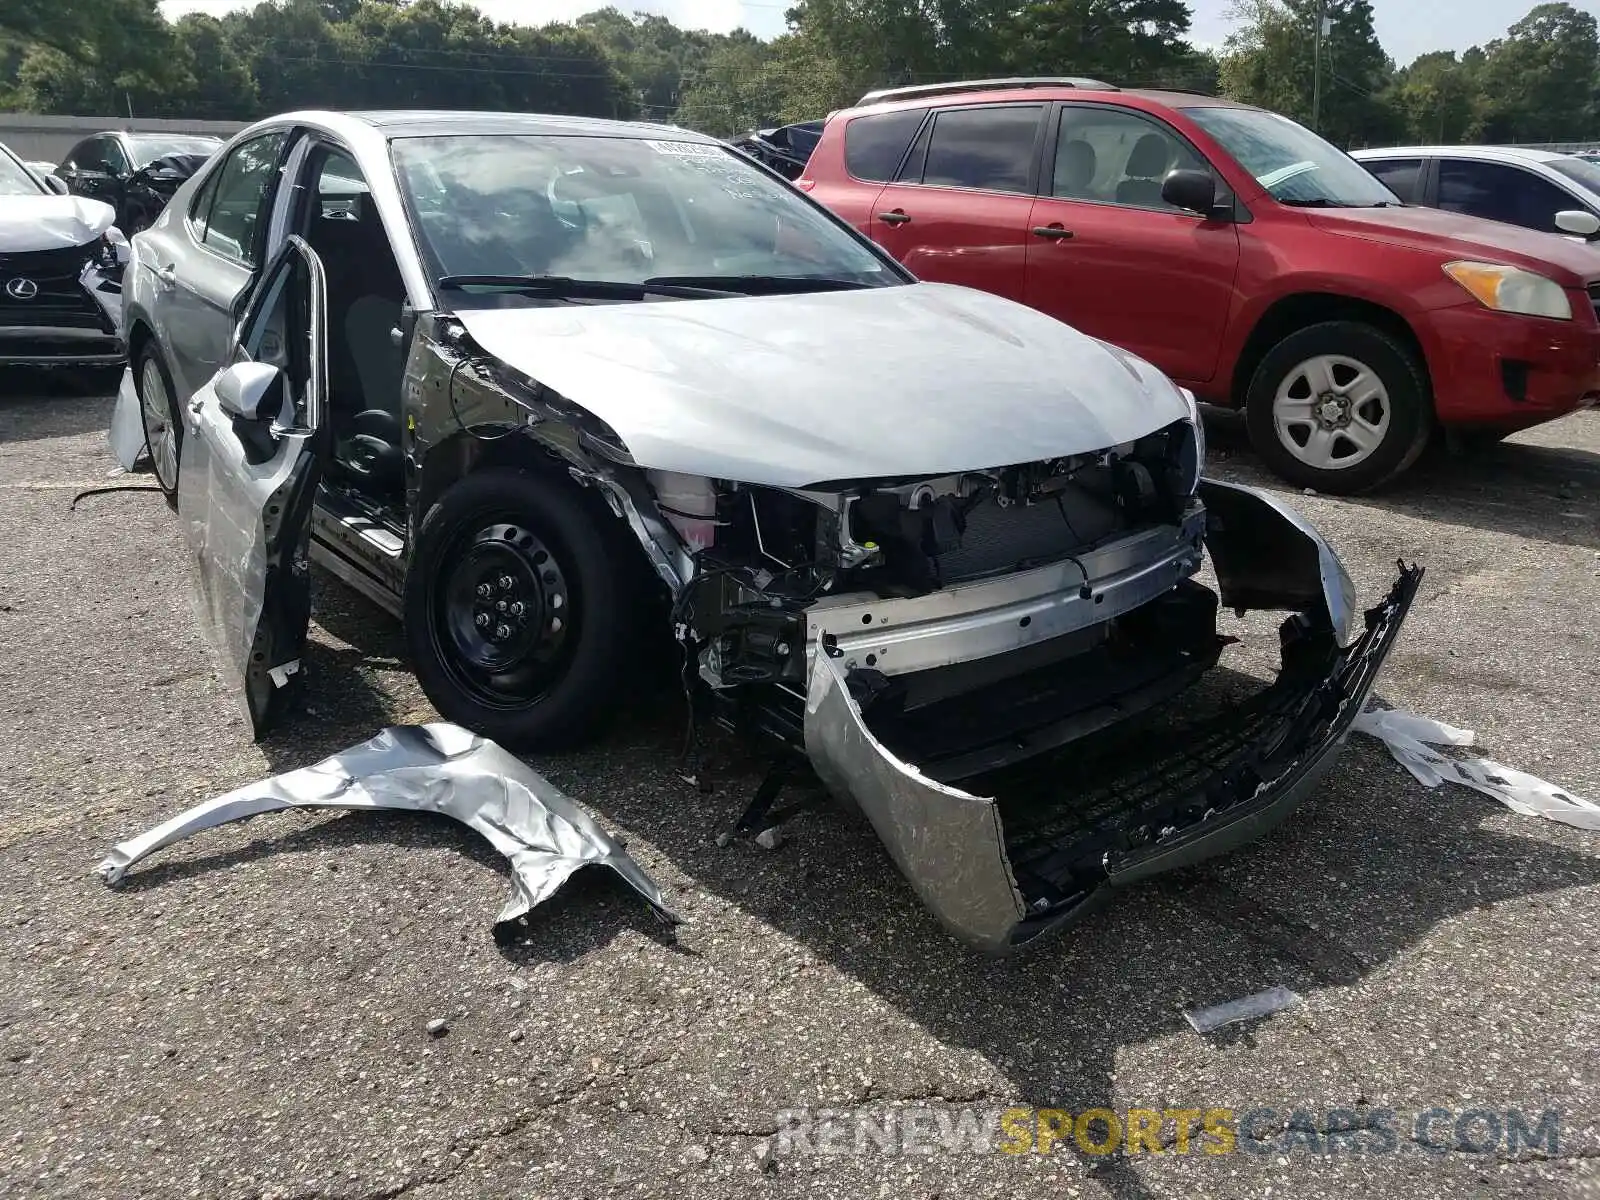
[[565, 285], [762, 283], [1314, 202]]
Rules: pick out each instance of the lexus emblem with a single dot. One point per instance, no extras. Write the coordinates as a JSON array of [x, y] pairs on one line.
[[21, 289]]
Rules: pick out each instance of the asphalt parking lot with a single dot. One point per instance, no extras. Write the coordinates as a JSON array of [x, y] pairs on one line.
[[246, 1016]]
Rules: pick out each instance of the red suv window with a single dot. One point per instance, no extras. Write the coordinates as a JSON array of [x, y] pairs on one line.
[[991, 148], [875, 144]]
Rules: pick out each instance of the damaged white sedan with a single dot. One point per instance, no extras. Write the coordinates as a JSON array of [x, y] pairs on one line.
[[61, 263], [546, 387]]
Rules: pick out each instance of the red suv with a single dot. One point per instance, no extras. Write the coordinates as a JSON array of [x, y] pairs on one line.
[[1250, 260]]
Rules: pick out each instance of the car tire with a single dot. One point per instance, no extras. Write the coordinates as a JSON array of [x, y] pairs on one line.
[[163, 436], [1340, 407], [522, 608]]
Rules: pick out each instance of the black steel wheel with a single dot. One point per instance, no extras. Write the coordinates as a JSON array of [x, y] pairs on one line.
[[502, 615], [519, 609]]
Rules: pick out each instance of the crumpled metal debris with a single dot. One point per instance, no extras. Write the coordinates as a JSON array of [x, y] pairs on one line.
[[1262, 1004], [1411, 739], [439, 768]]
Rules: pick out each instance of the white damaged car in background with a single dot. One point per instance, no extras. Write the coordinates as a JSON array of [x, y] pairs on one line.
[[544, 387], [61, 263]]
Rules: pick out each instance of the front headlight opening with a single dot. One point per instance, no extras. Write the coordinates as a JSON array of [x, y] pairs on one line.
[[105, 254], [1511, 289]]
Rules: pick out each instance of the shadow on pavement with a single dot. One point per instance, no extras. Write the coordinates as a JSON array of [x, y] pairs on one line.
[[55, 403], [1551, 493], [1053, 1020]]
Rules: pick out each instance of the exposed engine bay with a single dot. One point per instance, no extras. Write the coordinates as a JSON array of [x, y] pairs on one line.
[[766, 556]]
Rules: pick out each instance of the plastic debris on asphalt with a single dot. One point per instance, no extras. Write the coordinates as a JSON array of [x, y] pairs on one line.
[[437, 768], [1411, 740], [1262, 1004]]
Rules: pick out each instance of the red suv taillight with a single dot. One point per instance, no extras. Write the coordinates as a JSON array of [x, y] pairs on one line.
[[804, 184]]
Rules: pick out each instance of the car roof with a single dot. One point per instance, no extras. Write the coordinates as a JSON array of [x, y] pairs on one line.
[[422, 122], [1063, 91], [1501, 153]]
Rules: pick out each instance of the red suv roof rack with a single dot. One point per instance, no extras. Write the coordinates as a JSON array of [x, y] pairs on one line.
[[922, 90]]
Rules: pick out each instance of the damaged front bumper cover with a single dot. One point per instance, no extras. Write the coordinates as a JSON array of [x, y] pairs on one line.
[[77, 336], [997, 876], [437, 768]]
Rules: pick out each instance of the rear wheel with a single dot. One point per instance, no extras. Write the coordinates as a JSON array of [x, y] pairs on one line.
[[1340, 407], [158, 412], [520, 612]]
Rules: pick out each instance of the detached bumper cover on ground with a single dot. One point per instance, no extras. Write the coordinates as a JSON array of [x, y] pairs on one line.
[[1000, 869], [435, 768]]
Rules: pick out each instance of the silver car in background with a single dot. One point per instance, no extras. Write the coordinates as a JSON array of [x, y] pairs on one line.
[[61, 260], [1537, 189]]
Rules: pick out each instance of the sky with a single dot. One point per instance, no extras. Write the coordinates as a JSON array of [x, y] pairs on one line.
[[1406, 28]]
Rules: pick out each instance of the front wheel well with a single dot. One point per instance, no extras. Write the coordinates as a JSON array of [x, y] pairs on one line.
[[464, 454], [1305, 309], [139, 336]]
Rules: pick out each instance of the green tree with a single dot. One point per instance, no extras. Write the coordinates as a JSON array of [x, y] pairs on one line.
[[1136, 43], [218, 85], [1538, 82], [1270, 60], [737, 86], [291, 52], [652, 53], [97, 55], [1437, 98], [79, 29]]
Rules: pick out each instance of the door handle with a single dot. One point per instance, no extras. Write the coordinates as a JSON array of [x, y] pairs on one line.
[[897, 217], [167, 276], [1054, 232]]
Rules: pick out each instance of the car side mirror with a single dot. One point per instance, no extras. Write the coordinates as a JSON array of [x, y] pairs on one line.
[[1578, 221], [245, 387], [1193, 191], [56, 184]]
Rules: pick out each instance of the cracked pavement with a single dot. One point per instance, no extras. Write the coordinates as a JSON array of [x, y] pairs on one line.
[[247, 1015]]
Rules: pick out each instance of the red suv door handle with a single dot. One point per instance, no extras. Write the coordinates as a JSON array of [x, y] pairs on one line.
[[1052, 231], [897, 217]]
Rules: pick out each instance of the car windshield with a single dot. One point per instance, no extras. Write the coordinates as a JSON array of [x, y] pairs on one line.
[[1295, 165], [15, 179], [619, 210], [146, 149], [1580, 170]]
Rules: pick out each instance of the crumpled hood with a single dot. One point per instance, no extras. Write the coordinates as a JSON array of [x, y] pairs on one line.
[[51, 222], [920, 380], [1573, 264]]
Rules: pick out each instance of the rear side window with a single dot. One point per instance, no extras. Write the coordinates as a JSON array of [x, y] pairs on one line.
[[990, 148], [1501, 193], [240, 197], [91, 156], [874, 145], [1402, 176]]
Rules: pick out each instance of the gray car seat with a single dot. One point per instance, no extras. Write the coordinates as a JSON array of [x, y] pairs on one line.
[[1075, 168], [365, 295], [1146, 169]]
